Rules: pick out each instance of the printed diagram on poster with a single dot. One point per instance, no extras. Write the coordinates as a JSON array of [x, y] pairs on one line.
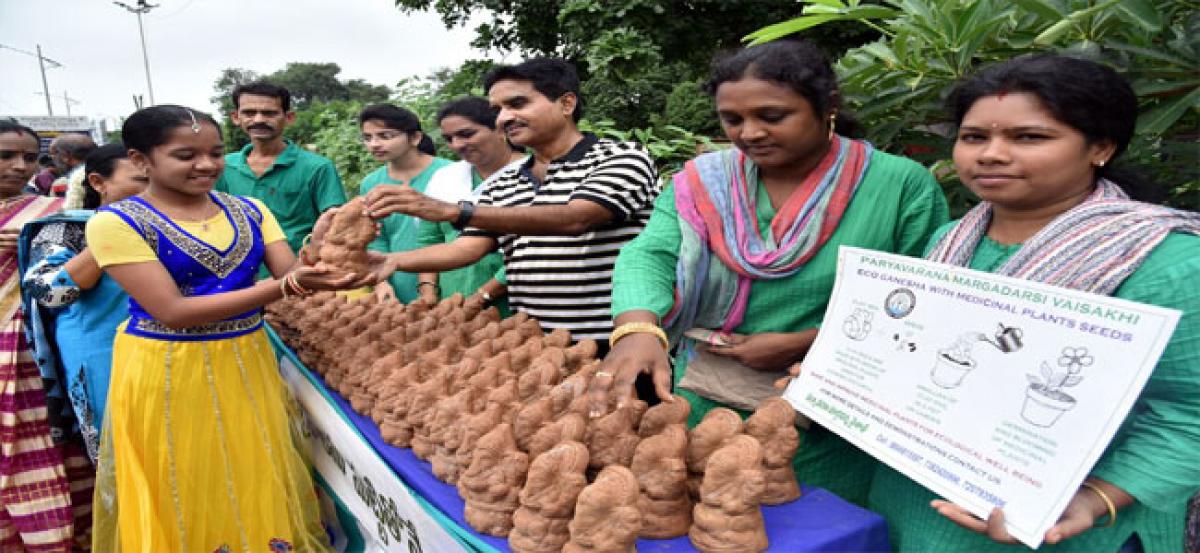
[[988, 390], [954, 362]]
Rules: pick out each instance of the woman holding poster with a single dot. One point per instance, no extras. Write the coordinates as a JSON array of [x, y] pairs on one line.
[[742, 249], [1036, 140]]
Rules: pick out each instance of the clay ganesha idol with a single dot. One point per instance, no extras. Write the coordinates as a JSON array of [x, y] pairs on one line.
[[773, 424], [607, 518], [555, 479], [716, 426], [492, 484], [662, 474], [728, 518], [345, 243]]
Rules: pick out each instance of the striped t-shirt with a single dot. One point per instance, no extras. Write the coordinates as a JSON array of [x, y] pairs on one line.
[[566, 281]]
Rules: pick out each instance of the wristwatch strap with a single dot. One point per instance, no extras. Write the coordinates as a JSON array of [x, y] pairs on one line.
[[466, 210]]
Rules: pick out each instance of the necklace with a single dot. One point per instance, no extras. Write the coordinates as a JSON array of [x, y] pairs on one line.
[[202, 220]]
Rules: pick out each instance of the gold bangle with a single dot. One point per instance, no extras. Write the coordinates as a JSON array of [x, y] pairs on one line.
[[1112, 507], [283, 288], [306, 240], [639, 328]]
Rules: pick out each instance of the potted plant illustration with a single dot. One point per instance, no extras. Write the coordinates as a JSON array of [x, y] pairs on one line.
[[1045, 401], [953, 363]]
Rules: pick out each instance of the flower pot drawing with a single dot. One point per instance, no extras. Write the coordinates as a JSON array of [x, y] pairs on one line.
[[949, 369], [1043, 406], [1045, 401]]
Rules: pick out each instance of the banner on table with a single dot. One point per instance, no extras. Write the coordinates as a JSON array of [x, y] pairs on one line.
[[385, 510], [990, 391]]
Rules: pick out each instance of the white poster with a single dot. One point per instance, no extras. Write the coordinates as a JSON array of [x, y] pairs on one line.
[[387, 513], [990, 391]]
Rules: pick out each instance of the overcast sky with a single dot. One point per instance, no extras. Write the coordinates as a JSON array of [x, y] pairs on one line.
[[191, 41]]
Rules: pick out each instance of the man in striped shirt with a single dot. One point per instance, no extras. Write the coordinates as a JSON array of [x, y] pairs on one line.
[[560, 218]]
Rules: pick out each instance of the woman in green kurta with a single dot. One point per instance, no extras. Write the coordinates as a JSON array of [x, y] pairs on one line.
[[393, 135], [777, 103], [469, 127], [1036, 137]]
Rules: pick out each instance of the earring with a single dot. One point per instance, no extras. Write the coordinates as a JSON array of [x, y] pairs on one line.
[[832, 124], [1101, 163]]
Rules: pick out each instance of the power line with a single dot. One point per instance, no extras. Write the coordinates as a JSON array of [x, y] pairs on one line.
[[174, 13], [53, 64], [41, 66]]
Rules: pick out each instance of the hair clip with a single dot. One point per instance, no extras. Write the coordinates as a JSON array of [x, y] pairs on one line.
[[195, 124]]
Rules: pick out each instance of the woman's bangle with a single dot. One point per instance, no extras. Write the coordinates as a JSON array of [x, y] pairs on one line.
[[283, 286], [638, 328], [485, 295], [306, 240], [1112, 507], [435, 286], [294, 282]]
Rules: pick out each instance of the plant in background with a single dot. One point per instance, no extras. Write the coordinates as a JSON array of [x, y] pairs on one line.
[[338, 138], [670, 146], [898, 84]]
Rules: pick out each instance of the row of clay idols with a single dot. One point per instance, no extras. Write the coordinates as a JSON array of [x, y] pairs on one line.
[[336, 336], [443, 393], [682, 486], [546, 505]]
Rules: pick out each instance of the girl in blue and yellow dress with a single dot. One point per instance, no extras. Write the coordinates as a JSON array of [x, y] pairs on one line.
[[199, 452]]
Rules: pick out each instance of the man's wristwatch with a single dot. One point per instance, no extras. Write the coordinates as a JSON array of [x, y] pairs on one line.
[[466, 210]]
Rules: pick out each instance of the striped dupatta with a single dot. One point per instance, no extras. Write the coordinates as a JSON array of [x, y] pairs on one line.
[[721, 249], [33, 482], [15, 216], [1092, 247]]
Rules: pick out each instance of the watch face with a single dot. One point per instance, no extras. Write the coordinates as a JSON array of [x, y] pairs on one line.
[[900, 303]]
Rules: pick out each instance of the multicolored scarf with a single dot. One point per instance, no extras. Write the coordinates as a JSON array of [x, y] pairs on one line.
[[1092, 247], [715, 197]]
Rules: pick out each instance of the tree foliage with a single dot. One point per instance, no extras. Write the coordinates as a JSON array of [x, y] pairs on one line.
[[632, 54], [898, 84], [311, 85]]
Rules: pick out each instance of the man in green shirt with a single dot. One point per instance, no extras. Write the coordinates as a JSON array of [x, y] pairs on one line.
[[296, 185]]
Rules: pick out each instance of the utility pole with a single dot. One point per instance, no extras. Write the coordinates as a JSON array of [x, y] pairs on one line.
[[45, 85], [142, 7], [42, 60], [67, 100]]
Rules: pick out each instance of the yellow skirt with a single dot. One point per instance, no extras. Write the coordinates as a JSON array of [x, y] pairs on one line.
[[200, 452]]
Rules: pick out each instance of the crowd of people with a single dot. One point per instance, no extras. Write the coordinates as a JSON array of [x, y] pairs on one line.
[[142, 408]]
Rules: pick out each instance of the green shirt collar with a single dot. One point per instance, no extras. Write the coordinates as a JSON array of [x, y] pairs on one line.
[[286, 158]]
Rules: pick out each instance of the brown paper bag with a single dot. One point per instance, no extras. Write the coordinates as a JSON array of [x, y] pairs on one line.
[[726, 381]]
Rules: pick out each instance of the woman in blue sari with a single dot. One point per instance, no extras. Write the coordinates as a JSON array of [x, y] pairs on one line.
[[62, 283]]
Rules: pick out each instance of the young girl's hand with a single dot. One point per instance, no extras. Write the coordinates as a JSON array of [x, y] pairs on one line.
[[324, 278], [308, 254]]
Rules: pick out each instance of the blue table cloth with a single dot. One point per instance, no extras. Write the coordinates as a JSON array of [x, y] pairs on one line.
[[818, 521]]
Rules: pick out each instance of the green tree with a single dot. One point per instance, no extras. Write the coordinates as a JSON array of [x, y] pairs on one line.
[[336, 136], [632, 54], [314, 87], [898, 83]]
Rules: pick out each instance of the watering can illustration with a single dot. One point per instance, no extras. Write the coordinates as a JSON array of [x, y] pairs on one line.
[[1007, 338]]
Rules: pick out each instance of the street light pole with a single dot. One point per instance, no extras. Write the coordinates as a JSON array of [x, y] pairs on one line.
[[45, 85], [142, 7]]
